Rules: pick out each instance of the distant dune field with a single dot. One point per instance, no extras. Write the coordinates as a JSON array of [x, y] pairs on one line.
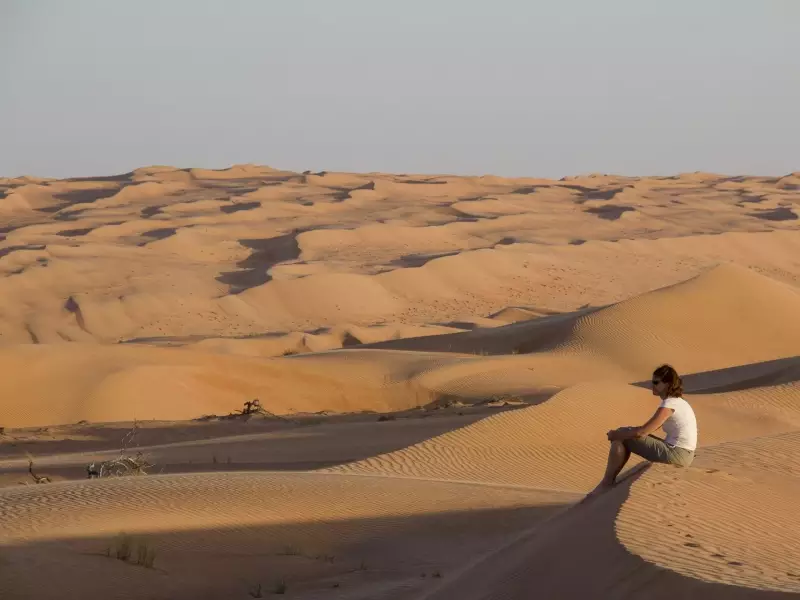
[[439, 359]]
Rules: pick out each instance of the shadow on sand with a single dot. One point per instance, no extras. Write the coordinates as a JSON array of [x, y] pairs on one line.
[[740, 377], [550, 559], [359, 554], [266, 254]]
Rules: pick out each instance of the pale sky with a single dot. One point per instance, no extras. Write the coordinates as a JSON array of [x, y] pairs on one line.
[[505, 87]]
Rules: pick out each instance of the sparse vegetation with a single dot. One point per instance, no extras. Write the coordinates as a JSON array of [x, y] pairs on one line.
[[249, 408], [123, 546], [145, 555], [124, 464], [387, 418], [325, 557], [280, 587], [290, 550], [289, 352], [36, 478]]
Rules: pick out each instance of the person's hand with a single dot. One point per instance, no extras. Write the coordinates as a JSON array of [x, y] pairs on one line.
[[616, 434]]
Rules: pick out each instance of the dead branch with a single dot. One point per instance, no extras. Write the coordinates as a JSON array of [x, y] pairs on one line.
[[37, 478], [124, 464], [253, 407]]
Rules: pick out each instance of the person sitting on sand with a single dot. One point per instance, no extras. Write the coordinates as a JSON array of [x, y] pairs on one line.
[[674, 415]]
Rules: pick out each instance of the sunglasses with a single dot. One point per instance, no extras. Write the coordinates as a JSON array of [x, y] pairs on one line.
[[656, 381]]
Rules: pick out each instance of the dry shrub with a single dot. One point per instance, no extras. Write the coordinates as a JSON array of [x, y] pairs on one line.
[[123, 465]]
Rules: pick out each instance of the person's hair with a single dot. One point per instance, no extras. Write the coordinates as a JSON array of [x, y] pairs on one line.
[[670, 376]]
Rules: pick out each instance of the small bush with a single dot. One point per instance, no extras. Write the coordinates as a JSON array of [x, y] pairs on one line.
[[290, 551], [145, 555], [280, 587], [123, 546], [325, 557]]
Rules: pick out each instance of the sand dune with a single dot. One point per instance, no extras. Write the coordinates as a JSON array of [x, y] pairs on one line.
[[219, 535], [545, 557], [532, 359], [560, 444], [439, 357]]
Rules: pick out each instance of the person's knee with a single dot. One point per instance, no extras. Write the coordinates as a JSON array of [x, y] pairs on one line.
[[618, 445]]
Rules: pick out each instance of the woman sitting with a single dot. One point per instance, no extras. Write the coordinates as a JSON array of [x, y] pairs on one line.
[[674, 415]]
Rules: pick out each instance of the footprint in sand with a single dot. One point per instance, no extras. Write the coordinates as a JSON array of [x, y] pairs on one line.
[[735, 563]]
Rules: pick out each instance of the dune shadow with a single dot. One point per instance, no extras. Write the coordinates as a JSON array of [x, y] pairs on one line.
[[532, 189], [9, 249], [420, 181], [603, 194], [411, 551], [256, 444], [265, 254], [465, 325], [609, 212], [159, 234], [537, 334], [740, 377], [7, 229], [86, 196], [340, 194], [783, 213], [414, 261], [149, 211], [750, 198], [233, 208], [74, 232], [119, 178], [180, 340], [584, 534]]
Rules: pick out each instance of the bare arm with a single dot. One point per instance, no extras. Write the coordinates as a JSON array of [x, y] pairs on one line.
[[626, 433]]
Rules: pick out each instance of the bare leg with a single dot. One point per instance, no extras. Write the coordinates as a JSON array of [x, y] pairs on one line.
[[618, 455]]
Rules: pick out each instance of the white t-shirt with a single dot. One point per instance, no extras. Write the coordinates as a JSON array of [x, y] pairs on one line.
[[681, 426]]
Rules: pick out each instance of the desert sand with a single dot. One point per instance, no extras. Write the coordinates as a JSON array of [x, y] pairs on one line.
[[438, 359]]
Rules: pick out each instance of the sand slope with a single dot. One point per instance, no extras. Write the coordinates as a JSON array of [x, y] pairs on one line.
[[687, 324], [606, 540], [220, 534], [440, 357]]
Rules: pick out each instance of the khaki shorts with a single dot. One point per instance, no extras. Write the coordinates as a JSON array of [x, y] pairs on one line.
[[657, 450]]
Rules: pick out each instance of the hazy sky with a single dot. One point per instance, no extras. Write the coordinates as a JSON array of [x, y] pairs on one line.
[[509, 87]]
